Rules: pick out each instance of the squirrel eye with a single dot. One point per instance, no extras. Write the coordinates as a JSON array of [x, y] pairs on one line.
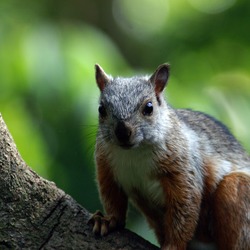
[[102, 111], [148, 109]]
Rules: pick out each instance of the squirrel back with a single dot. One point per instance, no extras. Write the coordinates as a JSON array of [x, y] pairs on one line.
[[215, 137]]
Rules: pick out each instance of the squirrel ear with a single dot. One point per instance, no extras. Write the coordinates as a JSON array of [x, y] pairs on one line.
[[160, 77], [101, 77]]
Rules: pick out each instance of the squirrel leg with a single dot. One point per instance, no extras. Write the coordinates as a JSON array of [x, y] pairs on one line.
[[115, 205], [182, 214], [232, 212], [114, 200]]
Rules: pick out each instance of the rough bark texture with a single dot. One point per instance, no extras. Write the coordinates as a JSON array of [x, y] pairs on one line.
[[35, 214]]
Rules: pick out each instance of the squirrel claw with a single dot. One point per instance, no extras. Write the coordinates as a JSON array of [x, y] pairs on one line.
[[102, 225]]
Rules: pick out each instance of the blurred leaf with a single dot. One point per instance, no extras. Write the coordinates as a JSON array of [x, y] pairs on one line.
[[27, 136]]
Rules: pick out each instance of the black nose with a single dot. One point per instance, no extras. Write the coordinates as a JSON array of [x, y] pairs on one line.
[[123, 132]]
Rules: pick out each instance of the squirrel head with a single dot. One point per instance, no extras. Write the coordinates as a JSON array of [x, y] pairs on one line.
[[132, 111]]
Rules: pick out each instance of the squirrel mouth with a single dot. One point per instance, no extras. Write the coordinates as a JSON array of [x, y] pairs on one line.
[[126, 145]]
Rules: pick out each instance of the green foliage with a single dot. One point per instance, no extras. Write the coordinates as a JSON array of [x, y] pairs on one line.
[[49, 99], [48, 95]]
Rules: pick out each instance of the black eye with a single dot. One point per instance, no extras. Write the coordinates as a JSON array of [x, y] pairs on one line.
[[102, 111], [148, 109]]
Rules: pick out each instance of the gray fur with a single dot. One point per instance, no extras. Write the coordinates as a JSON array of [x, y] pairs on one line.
[[216, 134], [115, 95], [123, 99]]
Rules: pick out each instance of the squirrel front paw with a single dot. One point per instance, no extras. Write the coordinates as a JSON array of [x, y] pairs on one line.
[[103, 224]]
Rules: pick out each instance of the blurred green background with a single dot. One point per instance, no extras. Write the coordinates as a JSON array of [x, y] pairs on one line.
[[48, 95]]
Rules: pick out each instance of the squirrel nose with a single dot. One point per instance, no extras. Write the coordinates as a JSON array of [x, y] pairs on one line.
[[123, 132]]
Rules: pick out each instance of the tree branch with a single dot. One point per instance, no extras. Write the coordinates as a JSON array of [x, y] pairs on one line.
[[35, 214]]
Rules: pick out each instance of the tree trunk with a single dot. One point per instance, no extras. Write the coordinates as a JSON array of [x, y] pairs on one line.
[[35, 214]]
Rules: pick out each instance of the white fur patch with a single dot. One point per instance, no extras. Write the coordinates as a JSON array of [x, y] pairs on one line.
[[133, 170], [245, 170], [223, 168]]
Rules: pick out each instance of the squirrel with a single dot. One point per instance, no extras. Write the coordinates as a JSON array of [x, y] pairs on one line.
[[182, 169]]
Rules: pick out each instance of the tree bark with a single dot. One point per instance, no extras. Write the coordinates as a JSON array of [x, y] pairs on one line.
[[35, 214]]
